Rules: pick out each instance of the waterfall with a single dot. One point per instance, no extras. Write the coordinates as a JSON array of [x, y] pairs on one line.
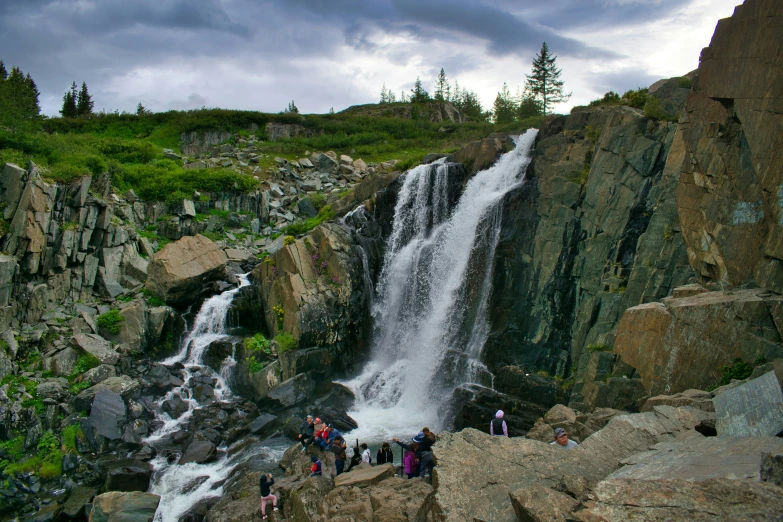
[[181, 486], [430, 311]]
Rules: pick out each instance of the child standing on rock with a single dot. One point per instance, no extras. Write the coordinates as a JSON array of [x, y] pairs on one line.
[[265, 483]]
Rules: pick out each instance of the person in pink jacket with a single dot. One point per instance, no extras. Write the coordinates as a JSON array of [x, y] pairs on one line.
[[410, 462]]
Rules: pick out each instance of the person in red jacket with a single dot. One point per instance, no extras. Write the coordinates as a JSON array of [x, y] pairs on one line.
[[316, 467]]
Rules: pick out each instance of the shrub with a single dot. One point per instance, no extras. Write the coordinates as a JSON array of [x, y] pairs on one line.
[[110, 321], [598, 347], [296, 229], [70, 434], [739, 370], [257, 343], [254, 366], [289, 240], [684, 83], [654, 111], [636, 98], [318, 199], [285, 342], [279, 312], [84, 363]]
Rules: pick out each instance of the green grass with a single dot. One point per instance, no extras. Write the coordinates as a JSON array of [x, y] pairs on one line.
[[111, 321], [83, 363], [70, 434], [302, 227], [285, 342]]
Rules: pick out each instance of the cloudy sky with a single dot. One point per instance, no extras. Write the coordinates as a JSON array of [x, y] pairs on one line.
[[261, 54]]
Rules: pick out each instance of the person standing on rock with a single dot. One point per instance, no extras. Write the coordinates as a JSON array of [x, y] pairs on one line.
[[338, 448], [410, 462], [366, 454], [498, 426], [427, 440], [306, 432], [385, 455], [561, 440], [265, 484]]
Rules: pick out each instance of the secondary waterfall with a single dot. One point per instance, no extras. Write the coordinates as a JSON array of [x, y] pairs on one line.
[[430, 312], [181, 486]]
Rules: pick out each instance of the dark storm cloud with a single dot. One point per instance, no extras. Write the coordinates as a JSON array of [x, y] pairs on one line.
[[98, 41]]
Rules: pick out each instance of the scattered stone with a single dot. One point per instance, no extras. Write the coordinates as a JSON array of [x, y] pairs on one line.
[[754, 408], [120, 506], [97, 346], [541, 504], [200, 452]]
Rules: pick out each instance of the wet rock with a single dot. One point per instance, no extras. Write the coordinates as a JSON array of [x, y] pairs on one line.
[[121, 384], [200, 452], [133, 476], [664, 500], [263, 423], [289, 393], [175, 407], [46, 513], [181, 269], [116, 506], [108, 414], [74, 507]]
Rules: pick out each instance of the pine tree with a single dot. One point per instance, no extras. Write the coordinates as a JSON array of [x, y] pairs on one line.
[[384, 94], [69, 102], [544, 82], [292, 108], [3, 72], [442, 87], [418, 94], [141, 110], [392, 97], [84, 103], [504, 108]]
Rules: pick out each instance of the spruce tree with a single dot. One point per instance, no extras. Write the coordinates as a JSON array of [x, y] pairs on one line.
[[384, 94], [442, 87], [292, 108], [84, 103], [418, 94], [544, 81], [69, 103], [141, 110], [504, 109], [3, 72]]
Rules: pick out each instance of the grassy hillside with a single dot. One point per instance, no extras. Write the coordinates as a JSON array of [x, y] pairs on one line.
[[130, 146]]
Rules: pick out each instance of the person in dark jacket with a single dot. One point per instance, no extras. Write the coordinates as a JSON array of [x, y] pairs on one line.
[[338, 448], [265, 483], [385, 455], [498, 426], [356, 459], [427, 440], [306, 431]]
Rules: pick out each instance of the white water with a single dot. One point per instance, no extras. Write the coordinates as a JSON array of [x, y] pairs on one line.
[[430, 311], [181, 486]]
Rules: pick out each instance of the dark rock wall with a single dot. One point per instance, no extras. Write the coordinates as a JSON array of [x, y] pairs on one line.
[[591, 232]]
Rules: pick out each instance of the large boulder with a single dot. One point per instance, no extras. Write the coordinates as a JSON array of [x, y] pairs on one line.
[[681, 343], [121, 384], [108, 414], [180, 270], [120, 506], [96, 346], [472, 461], [665, 500], [364, 477]]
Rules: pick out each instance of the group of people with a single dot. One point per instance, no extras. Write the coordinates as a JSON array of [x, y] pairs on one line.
[[416, 460], [499, 428]]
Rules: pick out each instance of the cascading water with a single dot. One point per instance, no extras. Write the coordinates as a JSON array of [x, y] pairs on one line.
[[181, 486], [430, 312]]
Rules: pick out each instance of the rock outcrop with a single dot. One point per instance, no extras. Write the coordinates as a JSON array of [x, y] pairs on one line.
[[726, 151], [182, 269]]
